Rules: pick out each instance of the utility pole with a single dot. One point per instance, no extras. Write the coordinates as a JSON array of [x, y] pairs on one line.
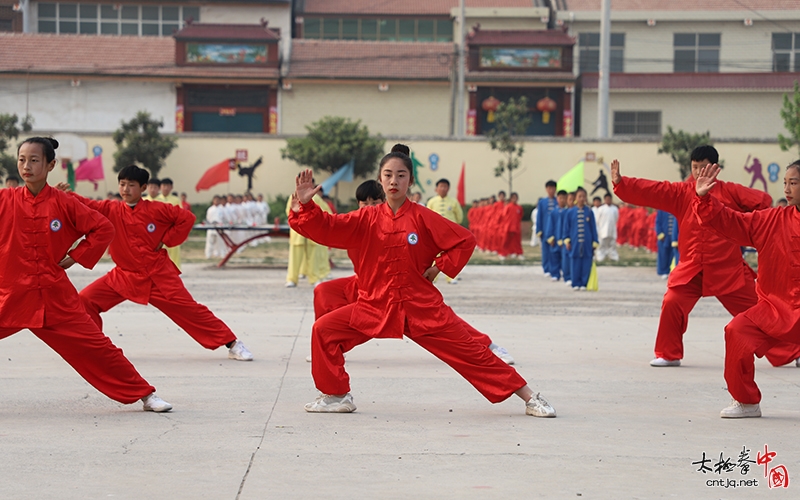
[[460, 118], [605, 65]]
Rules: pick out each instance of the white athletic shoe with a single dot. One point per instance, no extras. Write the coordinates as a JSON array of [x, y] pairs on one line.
[[290, 284], [453, 281], [576, 288], [664, 276], [568, 282], [308, 358], [155, 403], [539, 407], [503, 354], [239, 352], [331, 404], [797, 362], [583, 289], [553, 278], [739, 410], [665, 362]]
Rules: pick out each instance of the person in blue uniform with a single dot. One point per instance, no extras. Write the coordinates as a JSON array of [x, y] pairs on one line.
[[566, 260], [552, 240], [666, 227], [580, 230], [545, 206]]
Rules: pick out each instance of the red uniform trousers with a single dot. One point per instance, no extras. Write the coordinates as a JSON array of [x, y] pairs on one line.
[[679, 302], [743, 339], [81, 343], [513, 244], [200, 323], [332, 336], [335, 294]]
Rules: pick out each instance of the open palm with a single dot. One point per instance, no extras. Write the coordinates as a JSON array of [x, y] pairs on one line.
[[707, 179], [304, 186]]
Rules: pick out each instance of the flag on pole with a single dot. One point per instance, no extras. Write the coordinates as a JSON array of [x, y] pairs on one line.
[[460, 195], [345, 174], [217, 174], [573, 179], [90, 170]]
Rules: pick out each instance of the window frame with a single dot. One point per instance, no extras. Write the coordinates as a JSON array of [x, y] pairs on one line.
[[105, 25], [697, 50], [638, 123]]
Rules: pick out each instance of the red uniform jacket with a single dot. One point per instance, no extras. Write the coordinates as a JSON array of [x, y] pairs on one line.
[[394, 251], [36, 233], [513, 218], [775, 233], [719, 259], [140, 230]]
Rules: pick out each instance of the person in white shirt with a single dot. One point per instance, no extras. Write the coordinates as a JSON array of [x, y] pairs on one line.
[[607, 218], [212, 238]]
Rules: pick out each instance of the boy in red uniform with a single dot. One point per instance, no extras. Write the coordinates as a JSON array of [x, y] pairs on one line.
[[775, 319], [38, 227], [396, 243], [144, 274], [710, 265], [512, 218]]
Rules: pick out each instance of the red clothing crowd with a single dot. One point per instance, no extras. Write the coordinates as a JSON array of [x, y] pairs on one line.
[[636, 227], [497, 226]]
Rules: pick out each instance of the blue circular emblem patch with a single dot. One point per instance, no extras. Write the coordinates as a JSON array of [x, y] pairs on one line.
[[55, 225], [151, 227], [413, 238]]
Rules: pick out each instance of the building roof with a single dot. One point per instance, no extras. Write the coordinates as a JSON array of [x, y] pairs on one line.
[[403, 7], [679, 5], [501, 78], [228, 32], [119, 56], [354, 60], [645, 82], [519, 38]]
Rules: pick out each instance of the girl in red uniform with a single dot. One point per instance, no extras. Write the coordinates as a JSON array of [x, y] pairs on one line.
[[38, 227], [775, 318], [396, 243]]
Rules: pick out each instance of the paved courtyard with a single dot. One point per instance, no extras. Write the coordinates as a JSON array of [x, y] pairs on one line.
[[624, 429]]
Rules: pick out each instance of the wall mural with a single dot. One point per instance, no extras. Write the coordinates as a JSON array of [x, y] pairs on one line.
[[225, 54], [503, 57]]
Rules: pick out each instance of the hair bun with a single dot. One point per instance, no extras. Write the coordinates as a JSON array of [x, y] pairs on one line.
[[401, 148], [53, 142]]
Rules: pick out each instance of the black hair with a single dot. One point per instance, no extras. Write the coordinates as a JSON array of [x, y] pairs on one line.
[[608, 195], [550, 183], [402, 153], [501, 192], [370, 189], [166, 180], [795, 164], [560, 192], [513, 194], [154, 182], [49, 146], [596, 198], [134, 173], [578, 190], [443, 181], [706, 152], [12, 178]]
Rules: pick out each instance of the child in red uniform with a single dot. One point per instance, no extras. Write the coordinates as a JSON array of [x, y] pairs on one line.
[[396, 243], [775, 233], [512, 219], [38, 227], [144, 274], [710, 265]]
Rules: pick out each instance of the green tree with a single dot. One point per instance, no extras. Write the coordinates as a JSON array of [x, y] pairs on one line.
[[9, 132], [511, 120], [791, 120], [139, 141], [333, 141], [679, 145]]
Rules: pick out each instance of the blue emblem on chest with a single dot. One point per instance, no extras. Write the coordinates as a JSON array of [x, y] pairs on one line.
[[151, 227], [413, 239], [55, 225]]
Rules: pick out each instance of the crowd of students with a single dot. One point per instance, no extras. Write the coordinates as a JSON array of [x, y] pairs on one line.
[[234, 210]]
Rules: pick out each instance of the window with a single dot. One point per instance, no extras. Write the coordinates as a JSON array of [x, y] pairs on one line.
[[312, 27], [590, 52], [696, 53], [785, 51], [390, 30], [637, 122], [330, 29], [349, 29], [152, 20]]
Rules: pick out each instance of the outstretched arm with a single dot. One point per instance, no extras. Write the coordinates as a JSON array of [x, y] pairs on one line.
[[711, 213], [661, 195]]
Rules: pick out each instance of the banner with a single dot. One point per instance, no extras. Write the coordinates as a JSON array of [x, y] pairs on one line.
[[345, 173]]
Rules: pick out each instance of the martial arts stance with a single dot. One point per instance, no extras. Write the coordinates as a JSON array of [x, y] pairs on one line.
[[396, 242], [38, 227], [710, 265], [775, 233], [144, 273]]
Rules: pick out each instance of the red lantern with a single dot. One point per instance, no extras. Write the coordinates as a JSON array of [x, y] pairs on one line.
[[546, 106], [490, 105]]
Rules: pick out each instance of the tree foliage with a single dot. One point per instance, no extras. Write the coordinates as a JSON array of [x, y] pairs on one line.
[[679, 145], [333, 141], [9, 132], [791, 120], [139, 142], [511, 120]]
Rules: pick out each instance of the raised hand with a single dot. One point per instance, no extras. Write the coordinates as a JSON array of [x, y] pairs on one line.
[[707, 179], [63, 186], [304, 186], [615, 176]]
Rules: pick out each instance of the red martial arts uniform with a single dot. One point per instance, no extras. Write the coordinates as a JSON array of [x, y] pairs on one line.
[[623, 225], [145, 275], [775, 319], [394, 298], [35, 293], [710, 265], [512, 217]]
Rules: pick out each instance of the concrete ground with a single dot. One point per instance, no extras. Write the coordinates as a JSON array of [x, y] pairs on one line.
[[624, 429]]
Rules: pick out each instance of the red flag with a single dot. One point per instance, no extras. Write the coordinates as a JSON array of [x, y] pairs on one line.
[[215, 175], [90, 170], [460, 192]]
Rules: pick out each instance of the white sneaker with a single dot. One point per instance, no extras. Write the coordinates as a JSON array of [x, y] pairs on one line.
[[553, 278], [739, 410], [665, 362], [583, 288], [576, 288], [239, 352], [664, 276], [547, 275], [539, 407], [290, 284], [331, 404], [453, 281], [503, 354], [308, 358], [501, 257], [568, 282], [155, 403]]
